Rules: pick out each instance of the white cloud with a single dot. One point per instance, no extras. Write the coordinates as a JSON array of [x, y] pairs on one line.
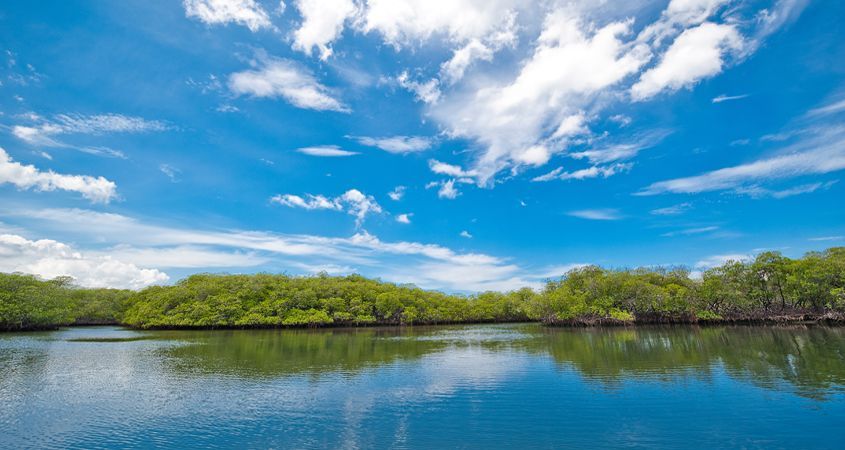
[[529, 119], [396, 144], [352, 201], [424, 91], [696, 54], [170, 171], [448, 190], [465, 234], [326, 151], [822, 153], [404, 218], [95, 189], [405, 22], [453, 70], [826, 238], [309, 202], [451, 170], [596, 214], [590, 172], [50, 259], [397, 193], [44, 132], [673, 210], [728, 98], [215, 12], [755, 191], [831, 108], [274, 77], [691, 231], [322, 23], [429, 265]]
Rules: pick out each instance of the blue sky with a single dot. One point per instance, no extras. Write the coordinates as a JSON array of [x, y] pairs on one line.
[[460, 145]]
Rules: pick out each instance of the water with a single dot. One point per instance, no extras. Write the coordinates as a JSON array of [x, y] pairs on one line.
[[476, 386]]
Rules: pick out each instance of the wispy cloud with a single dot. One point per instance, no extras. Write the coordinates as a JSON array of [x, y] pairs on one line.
[[396, 144], [831, 108], [45, 133], [822, 153], [691, 231], [760, 192], [673, 210], [727, 98], [826, 238], [596, 214], [282, 78], [326, 151], [582, 174], [170, 171]]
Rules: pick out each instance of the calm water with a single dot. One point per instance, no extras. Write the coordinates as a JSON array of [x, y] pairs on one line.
[[479, 386]]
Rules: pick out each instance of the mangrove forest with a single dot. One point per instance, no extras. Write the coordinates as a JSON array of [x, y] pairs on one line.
[[767, 288]]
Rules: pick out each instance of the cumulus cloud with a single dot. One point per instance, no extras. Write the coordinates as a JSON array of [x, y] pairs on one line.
[[220, 12], [396, 144], [95, 189], [696, 54], [326, 151], [322, 23], [49, 259], [281, 78], [527, 120], [465, 234], [404, 218], [352, 201]]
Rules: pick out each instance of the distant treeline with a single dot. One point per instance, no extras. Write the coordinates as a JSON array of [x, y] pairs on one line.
[[769, 288]]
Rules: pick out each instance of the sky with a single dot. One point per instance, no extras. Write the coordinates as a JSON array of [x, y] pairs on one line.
[[459, 145]]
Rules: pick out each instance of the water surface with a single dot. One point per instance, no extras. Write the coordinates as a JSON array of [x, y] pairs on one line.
[[475, 386]]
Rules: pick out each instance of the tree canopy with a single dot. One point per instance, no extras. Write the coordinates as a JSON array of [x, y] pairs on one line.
[[769, 286]]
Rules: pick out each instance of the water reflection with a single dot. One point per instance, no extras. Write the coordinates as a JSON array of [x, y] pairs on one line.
[[496, 385], [810, 359]]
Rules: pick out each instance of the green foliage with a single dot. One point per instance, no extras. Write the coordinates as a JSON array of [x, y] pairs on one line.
[[27, 302], [771, 284], [278, 300]]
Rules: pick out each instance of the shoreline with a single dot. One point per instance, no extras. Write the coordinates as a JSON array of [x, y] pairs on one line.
[[810, 319]]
